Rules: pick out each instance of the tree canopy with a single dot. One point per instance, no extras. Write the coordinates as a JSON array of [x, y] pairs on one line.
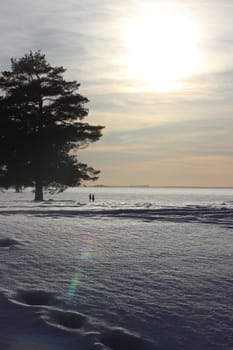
[[42, 127]]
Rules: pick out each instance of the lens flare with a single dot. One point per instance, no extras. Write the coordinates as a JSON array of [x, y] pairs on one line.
[[73, 286], [86, 257]]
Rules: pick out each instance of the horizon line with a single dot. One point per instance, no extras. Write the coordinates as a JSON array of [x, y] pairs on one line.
[[158, 186]]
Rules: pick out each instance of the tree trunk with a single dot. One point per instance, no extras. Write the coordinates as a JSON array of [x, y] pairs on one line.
[[39, 191], [38, 157]]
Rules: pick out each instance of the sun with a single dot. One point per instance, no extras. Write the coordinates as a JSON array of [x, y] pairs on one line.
[[162, 50]]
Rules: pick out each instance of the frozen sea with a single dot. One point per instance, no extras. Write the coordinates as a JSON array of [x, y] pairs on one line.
[[138, 269]]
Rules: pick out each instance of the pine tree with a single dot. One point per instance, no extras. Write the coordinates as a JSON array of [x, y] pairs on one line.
[[42, 127]]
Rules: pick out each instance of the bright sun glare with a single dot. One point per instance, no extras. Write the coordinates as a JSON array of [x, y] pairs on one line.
[[162, 50]]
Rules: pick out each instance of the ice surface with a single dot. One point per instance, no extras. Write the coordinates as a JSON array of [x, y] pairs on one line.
[[211, 208], [141, 270]]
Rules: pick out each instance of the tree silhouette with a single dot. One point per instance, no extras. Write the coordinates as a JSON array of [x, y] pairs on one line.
[[41, 127]]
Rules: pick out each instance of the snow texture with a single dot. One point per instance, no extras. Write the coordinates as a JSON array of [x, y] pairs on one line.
[[138, 269]]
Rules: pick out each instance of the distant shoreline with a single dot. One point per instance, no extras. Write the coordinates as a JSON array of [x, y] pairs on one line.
[[148, 186], [92, 187]]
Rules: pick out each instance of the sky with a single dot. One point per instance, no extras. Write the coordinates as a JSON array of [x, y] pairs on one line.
[[158, 74]]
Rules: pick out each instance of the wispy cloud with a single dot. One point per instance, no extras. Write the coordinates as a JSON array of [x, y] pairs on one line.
[[145, 129]]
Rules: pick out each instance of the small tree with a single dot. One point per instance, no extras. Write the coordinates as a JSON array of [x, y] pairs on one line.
[[41, 127]]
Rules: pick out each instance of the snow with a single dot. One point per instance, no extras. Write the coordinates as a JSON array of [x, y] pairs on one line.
[[138, 269]]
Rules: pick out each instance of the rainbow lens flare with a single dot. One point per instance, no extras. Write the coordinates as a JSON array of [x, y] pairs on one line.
[[86, 257]]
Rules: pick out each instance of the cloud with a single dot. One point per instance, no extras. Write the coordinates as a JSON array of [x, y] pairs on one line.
[[145, 129], [172, 140]]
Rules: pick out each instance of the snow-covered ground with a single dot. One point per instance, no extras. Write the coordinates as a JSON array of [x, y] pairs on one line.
[[138, 269]]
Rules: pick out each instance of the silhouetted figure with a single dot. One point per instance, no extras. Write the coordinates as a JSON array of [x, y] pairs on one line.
[[93, 198], [90, 197]]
